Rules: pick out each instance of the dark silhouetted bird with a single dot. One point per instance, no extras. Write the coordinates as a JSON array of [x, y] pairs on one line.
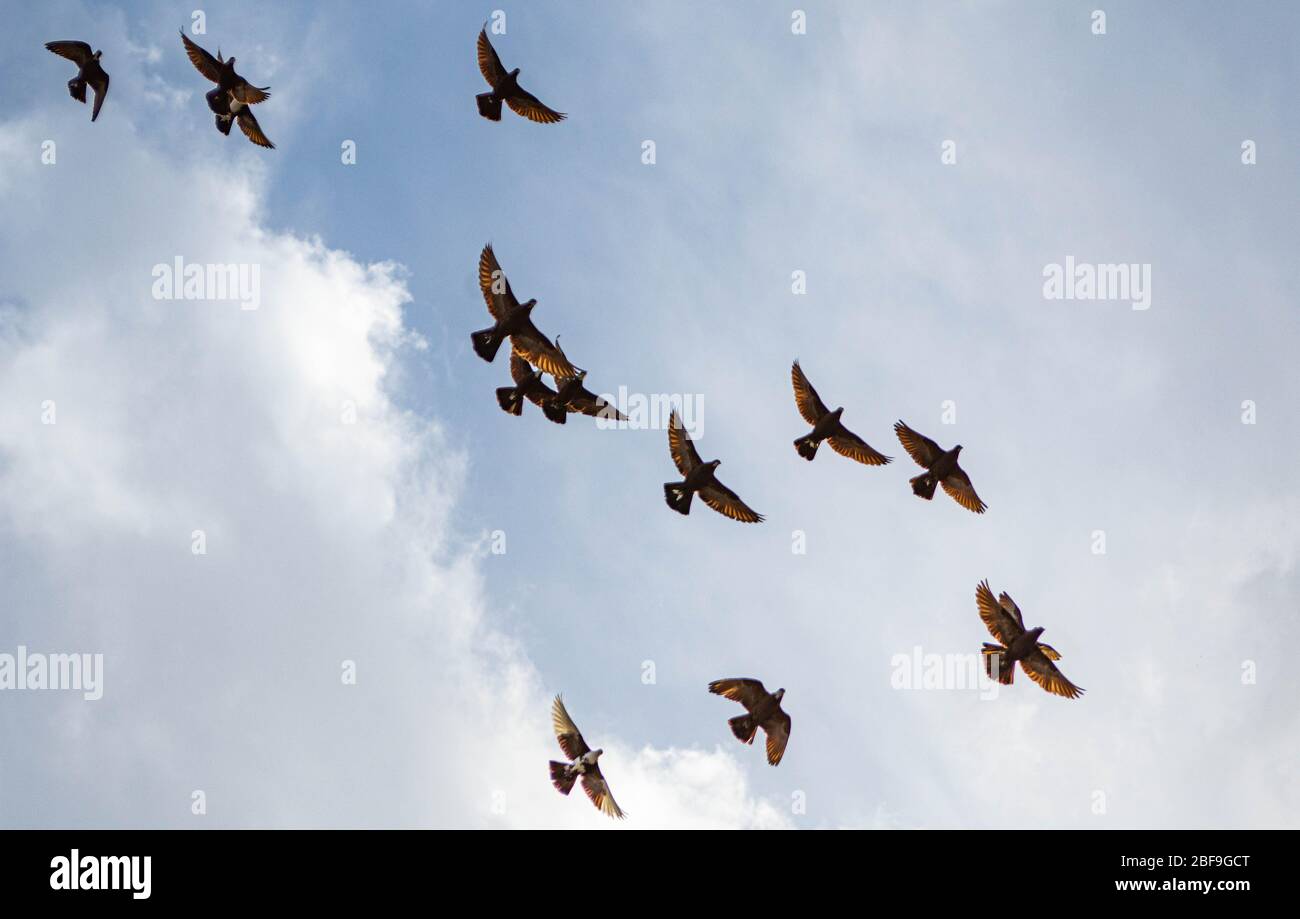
[[826, 426], [577, 398], [1004, 622], [764, 712], [89, 72], [505, 88], [582, 763], [529, 385], [231, 100], [700, 478], [941, 469], [513, 321], [228, 110]]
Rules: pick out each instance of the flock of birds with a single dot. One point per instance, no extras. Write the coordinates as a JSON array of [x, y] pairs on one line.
[[533, 354]]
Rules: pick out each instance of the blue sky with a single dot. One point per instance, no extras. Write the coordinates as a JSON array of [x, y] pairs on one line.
[[775, 152]]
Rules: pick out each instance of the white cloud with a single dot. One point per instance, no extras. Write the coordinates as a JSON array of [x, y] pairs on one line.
[[325, 541]]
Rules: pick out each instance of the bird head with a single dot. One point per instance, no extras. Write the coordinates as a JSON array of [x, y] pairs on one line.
[[230, 61], [839, 411], [529, 305], [956, 449], [715, 463], [515, 72], [598, 753], [97, 54], [1035, 632], [779, 695]]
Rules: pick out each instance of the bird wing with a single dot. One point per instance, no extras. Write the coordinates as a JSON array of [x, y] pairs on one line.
[[1042, 671], [520, 370], [919, 447], [778, 735], [488, 63], [249, 94], [959, 488], [1005, 601], [530, 107], [594, 784], [680, 445], [1049, 652], [541, 352], [855, 448], [252, 130], [566, 732], [101, 90], [204, 62], [76, 51], [588, 403], [492, 281], [745, 690], [726, 502], [537, 392], [1000, 623], [810, 404]]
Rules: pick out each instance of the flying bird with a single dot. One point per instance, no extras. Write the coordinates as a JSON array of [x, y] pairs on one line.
[[826, 426], [940, 469], [572, 396], [700, 478], [513, 321], [89, 71], [582, 763], [1004, 622], [529, 385], [764, 710], [505, 88], [228, 110], [233, 95]]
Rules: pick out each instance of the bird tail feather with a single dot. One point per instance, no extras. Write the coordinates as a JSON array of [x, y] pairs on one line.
[[678, 498], [923, 486], [562, 778], [1006, 667], [510, 400], [743, 727], [554, 411], [77, 89], [807, 447], [486, 343], [488, 107]]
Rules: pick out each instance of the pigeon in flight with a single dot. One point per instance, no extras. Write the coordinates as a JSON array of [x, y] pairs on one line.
[[233, 95], [528, 385], [764, 712], [941, 469], [505, 88], [582, 763], [513, 321], [574, 397], [1004, 622], [700, 478], [826, 426], [89, 72]]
